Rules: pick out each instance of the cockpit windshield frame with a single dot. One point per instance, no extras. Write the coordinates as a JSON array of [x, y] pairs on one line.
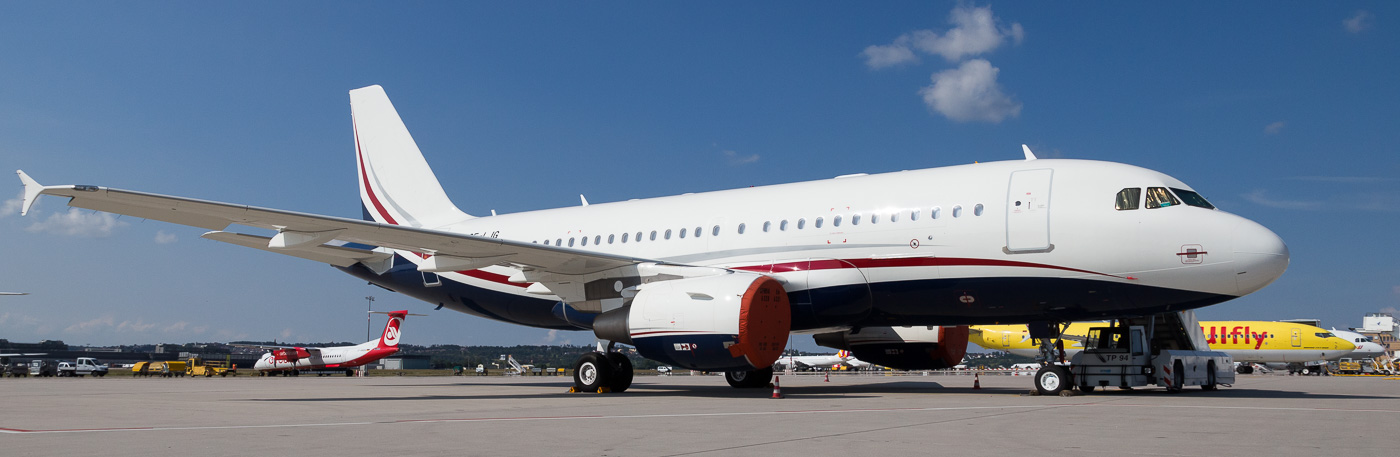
[[1191, 198]]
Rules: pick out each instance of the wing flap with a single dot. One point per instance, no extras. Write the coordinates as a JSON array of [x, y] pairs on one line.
[[339, 256]]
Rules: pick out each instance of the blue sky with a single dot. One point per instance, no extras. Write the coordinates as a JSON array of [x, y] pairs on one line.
[[1285, 113]]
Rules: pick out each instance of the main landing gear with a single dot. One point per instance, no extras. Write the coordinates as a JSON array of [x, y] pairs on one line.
[[603, 369], [749, 379]]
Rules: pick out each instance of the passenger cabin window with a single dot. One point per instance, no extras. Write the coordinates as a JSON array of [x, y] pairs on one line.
[[1159, 197], [836, 221], [894, 217], [935, 212], [957, 210], [802, 223], [874, 218], [639, 237], [698, 231], [597, 239], [1127, 198], [653, 235], [767, 225], [558, 241], [715, 231], [782, 226], [977, 210], [741, 229], [683, 233], [610, 238], [584, 241], [1192, 199], [668, 234], [818, 223], [571, 242], [914, 215], [624, 238], [855, 220]]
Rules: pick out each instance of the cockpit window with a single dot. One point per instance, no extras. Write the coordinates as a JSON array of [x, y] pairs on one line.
[[1158, 197], [1192, 198], [1324, 334], [1128, 198]]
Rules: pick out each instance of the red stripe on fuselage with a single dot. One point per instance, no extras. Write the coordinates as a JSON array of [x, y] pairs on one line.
[[906, 262], [364, 176]]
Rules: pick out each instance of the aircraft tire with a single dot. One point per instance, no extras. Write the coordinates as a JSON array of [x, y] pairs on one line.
[[1178, 378], [1052, 379], [622, 372], [592, 371], [751, 379]]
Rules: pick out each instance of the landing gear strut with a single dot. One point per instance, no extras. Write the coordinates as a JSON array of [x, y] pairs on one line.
[[1051, 378]]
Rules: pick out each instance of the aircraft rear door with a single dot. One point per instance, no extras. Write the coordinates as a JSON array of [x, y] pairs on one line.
[[1028, 211]]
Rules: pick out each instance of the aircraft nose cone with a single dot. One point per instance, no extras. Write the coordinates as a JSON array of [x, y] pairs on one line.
[[1260, 256]]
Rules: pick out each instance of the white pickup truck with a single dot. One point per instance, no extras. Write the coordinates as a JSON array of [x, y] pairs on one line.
[[83, 366]]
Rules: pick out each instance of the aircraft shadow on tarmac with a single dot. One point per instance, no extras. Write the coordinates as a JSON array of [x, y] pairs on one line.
[[808, 391]]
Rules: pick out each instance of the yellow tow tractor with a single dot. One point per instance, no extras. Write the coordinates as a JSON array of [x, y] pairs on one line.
[[162, 369], [197, 366]]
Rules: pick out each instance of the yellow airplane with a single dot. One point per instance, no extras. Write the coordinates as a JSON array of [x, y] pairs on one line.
[[1265, 342]]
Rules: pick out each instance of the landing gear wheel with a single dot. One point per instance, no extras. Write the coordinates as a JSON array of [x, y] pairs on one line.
[[622, 372], [1052, 379], [1210, 377], [749, 379], [1245, 369], [592, 371]]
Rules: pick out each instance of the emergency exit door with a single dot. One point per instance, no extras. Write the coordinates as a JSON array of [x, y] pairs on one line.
[[1028, 211]]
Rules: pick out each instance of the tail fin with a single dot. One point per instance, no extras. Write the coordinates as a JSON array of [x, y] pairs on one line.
[[396, 185], [390, 338]]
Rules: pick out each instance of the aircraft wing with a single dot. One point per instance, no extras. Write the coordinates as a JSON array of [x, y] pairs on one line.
[[24, 354], [302, 234]]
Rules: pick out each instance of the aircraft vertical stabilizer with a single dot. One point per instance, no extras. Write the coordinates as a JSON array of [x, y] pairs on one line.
[[396, 185]]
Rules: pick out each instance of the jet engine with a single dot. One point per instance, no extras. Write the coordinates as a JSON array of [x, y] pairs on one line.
[[903, 348], [290, 354], [731, 321]]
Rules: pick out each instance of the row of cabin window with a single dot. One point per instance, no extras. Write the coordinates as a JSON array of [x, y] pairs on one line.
[[768, 225]]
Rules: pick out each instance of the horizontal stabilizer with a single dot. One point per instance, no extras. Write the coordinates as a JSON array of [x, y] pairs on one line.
[[339, 256]]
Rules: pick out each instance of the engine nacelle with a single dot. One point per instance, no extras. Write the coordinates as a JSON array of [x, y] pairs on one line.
[[903, 348], [290, 354], [733, 321]]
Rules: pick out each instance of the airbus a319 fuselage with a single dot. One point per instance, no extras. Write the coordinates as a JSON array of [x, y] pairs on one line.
[[718, 280]]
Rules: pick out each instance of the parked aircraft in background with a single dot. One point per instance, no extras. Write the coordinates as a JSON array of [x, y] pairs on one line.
[[14, 293], [289, 360], [716, 281], [814, 361], [1267, 342], [1366, 348]]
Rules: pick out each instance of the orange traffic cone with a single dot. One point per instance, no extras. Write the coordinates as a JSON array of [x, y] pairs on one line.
[[777, 390], [977, 380], [828, 377]]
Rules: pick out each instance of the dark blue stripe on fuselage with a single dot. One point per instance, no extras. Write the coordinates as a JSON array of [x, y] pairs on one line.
[[920, 302]]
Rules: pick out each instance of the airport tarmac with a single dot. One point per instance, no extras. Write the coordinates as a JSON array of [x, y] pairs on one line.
[[689, 416]]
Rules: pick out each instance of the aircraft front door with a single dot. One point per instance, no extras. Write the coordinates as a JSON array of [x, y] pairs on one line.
[[1028, 211], [1297, 338]]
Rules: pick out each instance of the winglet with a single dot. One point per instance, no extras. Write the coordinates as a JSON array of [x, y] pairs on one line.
[[1027, 150], [583, 200], [31, 191]]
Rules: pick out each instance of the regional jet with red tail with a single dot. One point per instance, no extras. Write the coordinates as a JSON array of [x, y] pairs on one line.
[[890, 266]]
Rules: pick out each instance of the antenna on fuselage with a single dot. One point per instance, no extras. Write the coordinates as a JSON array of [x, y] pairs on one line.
[[1027, 149]]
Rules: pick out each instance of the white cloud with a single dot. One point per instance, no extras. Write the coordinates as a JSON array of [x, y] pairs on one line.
[[553, 336], [737, 159], [78, 222], [970, 93], [11, 207], [165, 238], [975, 31], [1258, 197], [1390, 309], [89, 326], [1274, 128], [1357, 23]]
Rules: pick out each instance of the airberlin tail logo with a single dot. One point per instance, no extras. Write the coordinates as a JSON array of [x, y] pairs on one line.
[[391, 333]]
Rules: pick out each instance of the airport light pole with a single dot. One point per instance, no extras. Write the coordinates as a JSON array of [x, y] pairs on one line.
[[368, 312]]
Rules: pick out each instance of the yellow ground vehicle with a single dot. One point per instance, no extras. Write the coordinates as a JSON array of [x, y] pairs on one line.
[[1349, 366], [199, 367], [162, 369]]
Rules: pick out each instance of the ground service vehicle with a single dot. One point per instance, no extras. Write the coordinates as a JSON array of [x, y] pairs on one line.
[[197, 366], [1167, 350], [43, 368], [83, 366]]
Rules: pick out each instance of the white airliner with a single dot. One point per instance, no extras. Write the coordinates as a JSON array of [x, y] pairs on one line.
[[289, 360], [814, 361], [716, 281], [1366, 348]]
